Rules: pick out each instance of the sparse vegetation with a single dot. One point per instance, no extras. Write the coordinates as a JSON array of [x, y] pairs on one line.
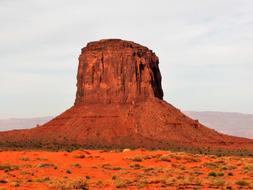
[[213, 174], [110, 167], [41, 180], [76, 165], [242, 183], [7, 167], [87, 177], [165, 158], [137, 159], [114, 177], [68, 171], [135, 168], [230, 174], [45, 165], [220, 174], [79, 184], [119, 183], [81, 156], [100, 183]]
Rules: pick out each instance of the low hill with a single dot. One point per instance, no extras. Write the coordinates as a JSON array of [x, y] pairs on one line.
[[22, 123], [237, 124]]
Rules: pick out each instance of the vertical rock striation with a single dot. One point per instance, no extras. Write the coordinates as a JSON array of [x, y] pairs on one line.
[[117, 71]]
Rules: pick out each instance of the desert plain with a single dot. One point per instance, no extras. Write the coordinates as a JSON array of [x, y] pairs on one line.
[[122, 169]]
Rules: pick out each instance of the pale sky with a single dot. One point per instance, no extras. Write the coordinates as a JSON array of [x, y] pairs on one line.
[[205, 49]]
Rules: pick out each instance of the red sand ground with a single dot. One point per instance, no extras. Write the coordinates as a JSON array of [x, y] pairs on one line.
[[137, 169]]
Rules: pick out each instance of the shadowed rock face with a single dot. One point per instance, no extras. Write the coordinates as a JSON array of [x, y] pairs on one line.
[[117, 71]]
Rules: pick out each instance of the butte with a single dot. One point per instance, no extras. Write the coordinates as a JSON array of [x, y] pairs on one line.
[[119, 104]]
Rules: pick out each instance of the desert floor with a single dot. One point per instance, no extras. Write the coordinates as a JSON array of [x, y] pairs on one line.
[[128, 169]]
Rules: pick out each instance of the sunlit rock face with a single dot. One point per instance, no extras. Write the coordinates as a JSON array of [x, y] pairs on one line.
[[117, 71]]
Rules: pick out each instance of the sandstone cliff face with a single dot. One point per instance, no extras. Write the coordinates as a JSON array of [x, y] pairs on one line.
[[117, 71]]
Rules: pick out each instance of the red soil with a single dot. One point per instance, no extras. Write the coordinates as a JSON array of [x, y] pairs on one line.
[[137, 169]]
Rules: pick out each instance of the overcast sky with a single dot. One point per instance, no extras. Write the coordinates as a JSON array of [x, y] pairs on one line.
[[205, 49]]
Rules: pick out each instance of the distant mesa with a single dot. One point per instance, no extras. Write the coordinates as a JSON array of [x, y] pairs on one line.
[[119, 104]]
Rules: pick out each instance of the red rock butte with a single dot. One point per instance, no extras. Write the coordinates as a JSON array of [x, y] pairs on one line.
[[116, 71], [119, 104]]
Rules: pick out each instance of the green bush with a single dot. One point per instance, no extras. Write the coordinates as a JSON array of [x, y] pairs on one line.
[[213, 174]]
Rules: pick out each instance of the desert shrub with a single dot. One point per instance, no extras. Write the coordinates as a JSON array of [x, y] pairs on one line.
[[135, 166], [110, 167], [77, 165], [210, 165], [148, 169], [147, 157], [107, 166], [8, 167], [119, 183], [81, 156], [45, 165], [100, 183], [156, 180], [117, 168], [137, 159], [68, 171], [220, 174], [212, 174], [230, 174], [41, 180], [165, 158], [79, 184], [247, 169], [87, 177], [242, 183], [114, 177]]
